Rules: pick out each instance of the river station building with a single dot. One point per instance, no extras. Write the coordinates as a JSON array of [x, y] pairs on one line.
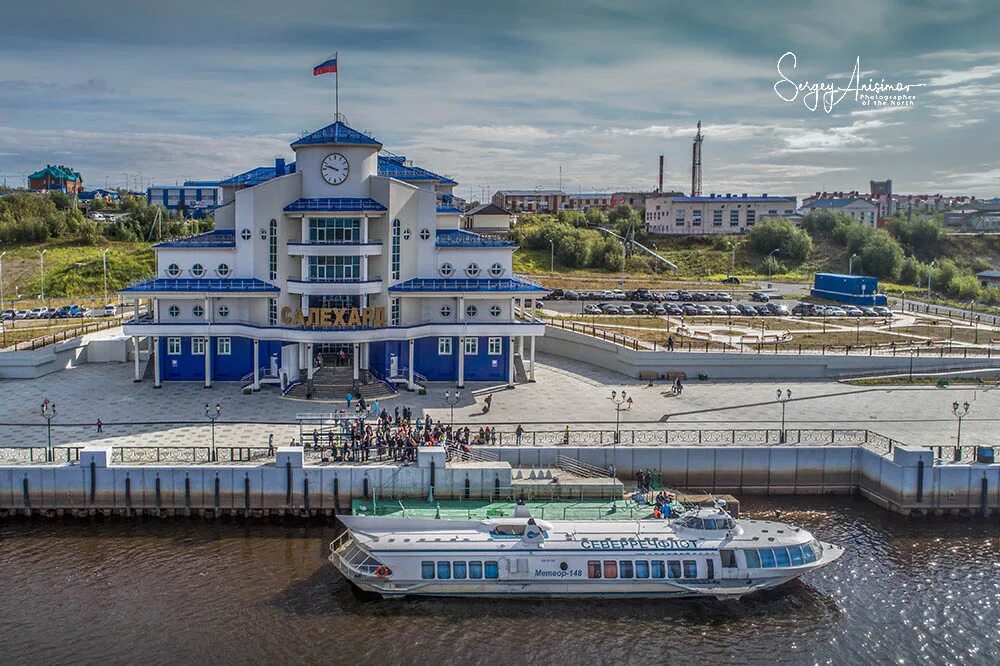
[[347, 252]]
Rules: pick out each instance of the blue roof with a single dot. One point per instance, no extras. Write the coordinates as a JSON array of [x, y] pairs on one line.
[[394, 166], [460, 238], [835, 203], [255, 176], [337, 132], [449, 210], [201, 285], [725, 198], [467, 284], [339, 204], [201, 183], [217, 238]]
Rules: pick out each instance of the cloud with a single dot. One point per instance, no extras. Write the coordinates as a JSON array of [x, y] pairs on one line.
[[854, 137]]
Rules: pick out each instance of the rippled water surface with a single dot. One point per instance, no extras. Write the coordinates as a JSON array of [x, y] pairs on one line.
[[169, 592]]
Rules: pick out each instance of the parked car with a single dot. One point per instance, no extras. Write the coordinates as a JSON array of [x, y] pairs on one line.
[[571, 295], [717, 310], [638, 308], [643, 295], [724, 297], [703, 310], [618, 295], [7, 314], [835, 312], [608, 308], [802, 310], [656, 309], [22, 314], [672, 296], [759, 297], [683, 295], [625, 310], [689, 309], [36, 313], [732, 279], [762, 311], [869, 312], [731, 310], [592, 309], [699, 296], [882, 311], [747, 310], [556, 294], [853, 311], [778, 310]]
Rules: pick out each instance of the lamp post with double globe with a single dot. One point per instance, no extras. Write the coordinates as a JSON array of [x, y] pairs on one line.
[[783, 398], [452, 399], [213, 415], [960, 412], [48, 412]]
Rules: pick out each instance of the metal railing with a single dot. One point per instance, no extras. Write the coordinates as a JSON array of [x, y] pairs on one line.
[[62, 335]]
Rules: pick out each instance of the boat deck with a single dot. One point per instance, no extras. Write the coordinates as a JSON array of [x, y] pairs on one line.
[[480, 510]]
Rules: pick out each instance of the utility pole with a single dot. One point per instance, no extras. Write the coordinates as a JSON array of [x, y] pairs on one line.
[[41, 262], [696, 163], [1, 278], [104, 258]]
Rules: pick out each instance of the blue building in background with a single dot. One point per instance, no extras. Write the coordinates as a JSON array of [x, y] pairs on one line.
[[347, 260], [852, 289], [197, 198]]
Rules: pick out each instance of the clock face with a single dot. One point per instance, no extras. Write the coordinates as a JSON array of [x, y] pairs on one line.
[[335, 168]]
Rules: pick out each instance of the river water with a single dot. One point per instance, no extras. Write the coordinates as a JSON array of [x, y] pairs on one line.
[[172, 592]]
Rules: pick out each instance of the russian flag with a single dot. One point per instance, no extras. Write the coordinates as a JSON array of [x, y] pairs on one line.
[[326, 67]]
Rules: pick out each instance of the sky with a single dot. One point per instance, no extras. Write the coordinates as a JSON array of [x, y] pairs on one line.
[[503, 94]]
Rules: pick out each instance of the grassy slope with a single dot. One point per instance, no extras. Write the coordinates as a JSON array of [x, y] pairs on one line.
[[72, 270]]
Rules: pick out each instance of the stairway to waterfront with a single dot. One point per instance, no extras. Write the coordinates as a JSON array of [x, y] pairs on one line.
[[334, 382]]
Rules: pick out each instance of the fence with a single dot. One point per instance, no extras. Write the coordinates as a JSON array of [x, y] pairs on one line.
[[778, 346], [62, 335]]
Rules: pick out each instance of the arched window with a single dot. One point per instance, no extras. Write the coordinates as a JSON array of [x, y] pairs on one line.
[[272, 250], [395, 250]]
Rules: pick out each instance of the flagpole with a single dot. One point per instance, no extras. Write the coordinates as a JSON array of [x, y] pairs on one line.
[[336, 57]]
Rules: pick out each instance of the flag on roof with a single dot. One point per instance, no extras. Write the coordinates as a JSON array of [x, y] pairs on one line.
[[328, 66]]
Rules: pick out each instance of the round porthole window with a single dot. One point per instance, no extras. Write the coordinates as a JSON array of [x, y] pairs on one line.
[[197, 270], [445, 311], [446, 270], [263, 233], [173, 270], [246, 234], [472, 270], [495, 310], [174, 311], [223, 270], [223, 311], [470, 311], [406, 234], [563, 566], [198, 311], [425, 234], [496, 270]]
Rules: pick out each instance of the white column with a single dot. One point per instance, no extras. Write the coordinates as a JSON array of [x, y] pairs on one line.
[[364, 355], [461, 362], [513, 308], [208, 309], [154, 304], [510, 363], [461, 308], [256, 363], [357, 353], [208, 361], [534, 308], [135, 309], [364, 229], [410, 364], [363, 263], [531, 372], [154, 358], [135, 352], [309, 360], [520, 345]]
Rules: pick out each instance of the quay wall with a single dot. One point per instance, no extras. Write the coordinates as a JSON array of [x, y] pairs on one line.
[[908, 480], [630, 362]]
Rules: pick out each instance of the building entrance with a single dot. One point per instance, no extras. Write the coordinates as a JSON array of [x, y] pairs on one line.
[[336, 354]]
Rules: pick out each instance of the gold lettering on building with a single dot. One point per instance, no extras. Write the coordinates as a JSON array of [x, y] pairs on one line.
[[373, 317]]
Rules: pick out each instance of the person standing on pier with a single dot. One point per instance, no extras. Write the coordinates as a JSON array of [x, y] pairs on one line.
[[270, 444], [519, 433], [100, 425]]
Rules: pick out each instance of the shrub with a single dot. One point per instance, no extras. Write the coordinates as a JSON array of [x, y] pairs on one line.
[[792, 243]]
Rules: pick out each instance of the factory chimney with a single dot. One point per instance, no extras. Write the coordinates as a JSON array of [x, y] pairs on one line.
[[660, 188]]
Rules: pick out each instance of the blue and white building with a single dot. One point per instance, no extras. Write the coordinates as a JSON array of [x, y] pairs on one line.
[[350, 250], [196, 198]]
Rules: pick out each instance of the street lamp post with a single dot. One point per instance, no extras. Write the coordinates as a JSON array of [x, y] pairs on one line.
[[1, 279], [104, 259], [960, 412], [212, 416], [929, 280], [783, 399], [769, 255], [48, 412], [41, 263], [621, 401], [850, 264], [552, 256], [452, 400], [975, 319]]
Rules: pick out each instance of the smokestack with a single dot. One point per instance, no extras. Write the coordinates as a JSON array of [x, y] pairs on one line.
[[660, 190]]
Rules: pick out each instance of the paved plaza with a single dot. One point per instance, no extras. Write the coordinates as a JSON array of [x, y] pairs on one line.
[[566, 393]]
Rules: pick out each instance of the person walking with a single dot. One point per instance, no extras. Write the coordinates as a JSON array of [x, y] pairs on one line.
[[270, 444], [519, 433], [670, 343], [349, 397]]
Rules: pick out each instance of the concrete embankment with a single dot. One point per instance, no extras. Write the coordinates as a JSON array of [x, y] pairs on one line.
[[908, 480]]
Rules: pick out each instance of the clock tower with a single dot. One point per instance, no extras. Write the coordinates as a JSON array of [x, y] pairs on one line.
[[336, 162]]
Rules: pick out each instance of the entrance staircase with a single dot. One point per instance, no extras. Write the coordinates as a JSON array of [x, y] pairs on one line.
[[520, 376], [332, 382]]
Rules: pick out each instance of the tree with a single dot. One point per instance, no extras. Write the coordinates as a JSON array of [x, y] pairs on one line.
[[919, 235], [882, 256], [792, 243]]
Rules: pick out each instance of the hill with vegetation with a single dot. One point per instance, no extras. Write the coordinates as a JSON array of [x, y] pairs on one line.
[[53, 222], [902, 255]]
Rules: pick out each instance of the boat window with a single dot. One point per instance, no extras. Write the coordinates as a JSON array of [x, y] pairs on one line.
[[807, 553], [673, 569], [817, 549], [710, 524], [766, 558], [641, 569], [625, 569], [795, 554], [444, 570], [458, 569], [781, 557], [753, 558], [711, 569], [593, 568], [475, 569], [728, 558], [508, 530], [696, 523], [690, 569], [492, 570], [658, 569], [610, 569], [427, 570]]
